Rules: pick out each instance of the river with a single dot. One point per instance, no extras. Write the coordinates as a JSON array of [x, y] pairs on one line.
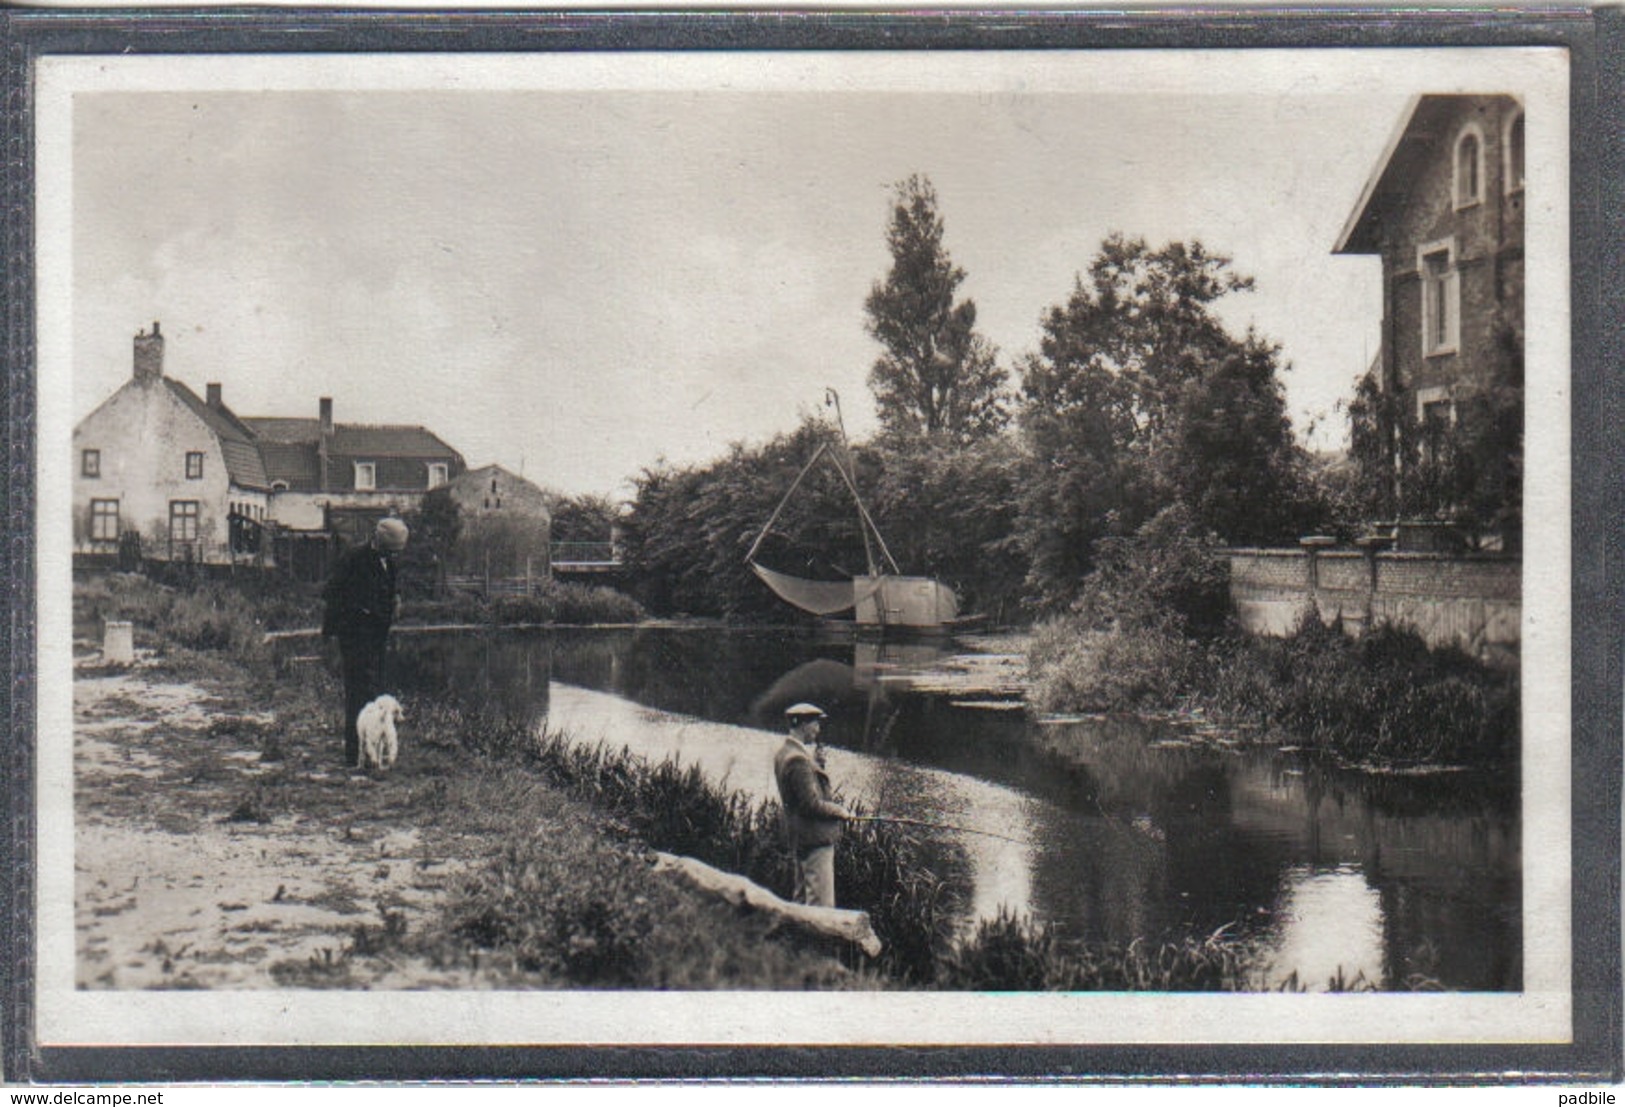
[[1109, 828]]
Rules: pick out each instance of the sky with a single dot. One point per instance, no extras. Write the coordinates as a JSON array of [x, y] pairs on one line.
[[581, 282]]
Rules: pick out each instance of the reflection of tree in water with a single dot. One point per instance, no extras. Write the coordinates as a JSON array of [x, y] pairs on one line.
[[508, 673], [712, 674]]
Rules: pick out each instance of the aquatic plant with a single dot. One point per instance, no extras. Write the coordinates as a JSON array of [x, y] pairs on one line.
[[1012, 952]]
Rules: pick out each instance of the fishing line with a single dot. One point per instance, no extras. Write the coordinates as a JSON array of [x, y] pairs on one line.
[[935, 826]]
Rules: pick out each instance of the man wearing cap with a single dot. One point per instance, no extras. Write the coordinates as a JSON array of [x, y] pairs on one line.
[[362, 602], [811, 817]]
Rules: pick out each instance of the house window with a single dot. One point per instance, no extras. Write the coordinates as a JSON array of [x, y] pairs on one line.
[[183, 520], [90, 463], [1438, 417], [366, 476], [1441, 298], [438, 475], [1514, 153], [194, 465], [1469, 175], [104, 520]]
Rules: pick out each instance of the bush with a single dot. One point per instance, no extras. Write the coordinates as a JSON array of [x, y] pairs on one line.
[[1384, 697], [1168, 576], [208, 617], [1126, 668], [568, 603]]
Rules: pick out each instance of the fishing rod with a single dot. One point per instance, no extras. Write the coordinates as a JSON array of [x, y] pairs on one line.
[[933, 826]]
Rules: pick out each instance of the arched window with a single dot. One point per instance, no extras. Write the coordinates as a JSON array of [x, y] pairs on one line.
[[1513, 146], [1469, 171]]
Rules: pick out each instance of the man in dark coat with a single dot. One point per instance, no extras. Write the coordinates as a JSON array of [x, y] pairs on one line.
[[362, 601], [812, 818]]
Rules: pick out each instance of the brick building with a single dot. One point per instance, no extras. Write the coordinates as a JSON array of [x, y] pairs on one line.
[[1444, 209]]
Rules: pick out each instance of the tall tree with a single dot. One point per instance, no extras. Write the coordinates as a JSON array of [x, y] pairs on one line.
[[937, 378], [1140, 399]]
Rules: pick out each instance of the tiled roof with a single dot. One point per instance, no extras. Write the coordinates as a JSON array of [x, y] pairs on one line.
[[294, 463], [243, 462], [283, 430], [350, 440], [354, 440]]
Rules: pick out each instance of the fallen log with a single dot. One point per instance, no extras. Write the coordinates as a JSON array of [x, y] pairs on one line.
[[834, 922]]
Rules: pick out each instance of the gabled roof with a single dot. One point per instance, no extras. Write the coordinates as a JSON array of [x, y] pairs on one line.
[[243, 462], [1393, 175]]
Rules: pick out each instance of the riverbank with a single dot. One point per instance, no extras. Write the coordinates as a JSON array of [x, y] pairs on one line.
[[1381, 702], [219, 843], [500, 855]]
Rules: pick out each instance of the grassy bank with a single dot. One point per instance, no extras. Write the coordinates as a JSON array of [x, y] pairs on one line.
[[233, 615], [1384, 698]]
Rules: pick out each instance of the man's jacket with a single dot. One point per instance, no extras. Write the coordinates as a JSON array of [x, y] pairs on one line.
[[360, 595], [812, 817]]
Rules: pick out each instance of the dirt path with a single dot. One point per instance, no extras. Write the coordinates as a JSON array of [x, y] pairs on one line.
[[187, 874]]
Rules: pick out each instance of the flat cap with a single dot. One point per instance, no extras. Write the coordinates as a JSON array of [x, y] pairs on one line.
[[804, 711]]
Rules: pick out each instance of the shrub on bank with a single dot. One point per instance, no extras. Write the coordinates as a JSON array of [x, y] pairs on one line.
[[1121, 669], [556, 602], [563, 602], [1383, 698], [208, 616]]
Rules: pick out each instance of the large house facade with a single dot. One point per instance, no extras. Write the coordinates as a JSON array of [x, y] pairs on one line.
[[161, 474], [1444, 210]]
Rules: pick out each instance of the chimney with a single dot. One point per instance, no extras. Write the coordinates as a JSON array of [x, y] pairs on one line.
[[325, 409], [149, 355], [214, 395]]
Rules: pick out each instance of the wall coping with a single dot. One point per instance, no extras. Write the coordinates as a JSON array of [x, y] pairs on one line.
[[1385, 555]]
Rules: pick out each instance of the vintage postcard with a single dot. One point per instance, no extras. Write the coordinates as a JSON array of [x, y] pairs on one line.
[[948, 548]]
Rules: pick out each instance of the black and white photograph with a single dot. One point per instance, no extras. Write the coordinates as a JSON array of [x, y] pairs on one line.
[[979, 548]]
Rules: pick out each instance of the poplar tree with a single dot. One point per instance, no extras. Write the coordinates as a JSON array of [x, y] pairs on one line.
[[937, 378]]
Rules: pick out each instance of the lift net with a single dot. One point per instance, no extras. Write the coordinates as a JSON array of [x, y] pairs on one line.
[[818, 597]]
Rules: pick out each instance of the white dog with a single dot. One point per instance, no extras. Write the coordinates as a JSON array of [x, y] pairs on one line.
[[376, 726]]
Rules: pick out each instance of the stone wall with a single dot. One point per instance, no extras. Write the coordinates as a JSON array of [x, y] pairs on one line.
[[1474, 602]]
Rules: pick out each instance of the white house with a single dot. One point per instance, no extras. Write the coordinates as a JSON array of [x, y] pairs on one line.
[[163, 475]]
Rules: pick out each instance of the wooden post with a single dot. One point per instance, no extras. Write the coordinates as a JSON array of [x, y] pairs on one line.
[[529, 590]]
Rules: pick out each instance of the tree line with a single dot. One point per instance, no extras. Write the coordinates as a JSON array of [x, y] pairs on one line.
[[1139, 409]]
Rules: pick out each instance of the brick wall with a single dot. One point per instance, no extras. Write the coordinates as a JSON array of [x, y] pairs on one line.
[[1466, 601]]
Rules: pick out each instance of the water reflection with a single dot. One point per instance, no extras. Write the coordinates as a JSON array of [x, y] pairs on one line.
[[1125, 828], [1328, 926]]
